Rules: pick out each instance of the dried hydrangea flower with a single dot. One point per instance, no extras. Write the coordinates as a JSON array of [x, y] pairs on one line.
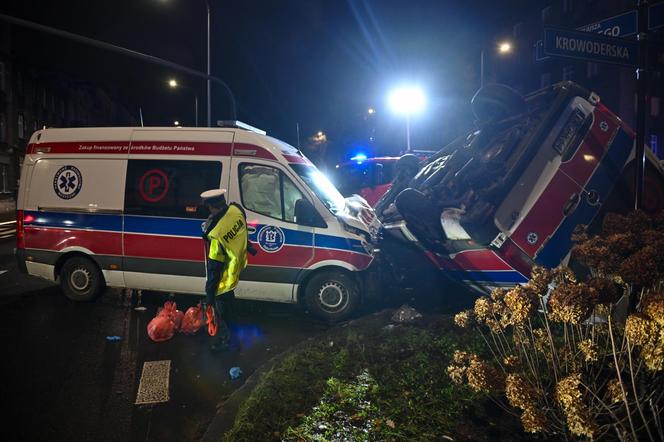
[[614, 390], [589, 350], [638, 329], [511, 362], [563, 275], [463, 319], [571, 303], [521, 303], [654, 307], [541, 339], [519, 393], [456, 373], [495, 326], [533, 420], [653, 353], [482, 377], [482, 309], [540, 278], [642, 268], [460, 357], [606, 290], [569, 397]]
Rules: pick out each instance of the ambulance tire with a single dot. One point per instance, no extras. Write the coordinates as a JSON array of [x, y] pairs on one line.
[[331, 296], [81, 279]]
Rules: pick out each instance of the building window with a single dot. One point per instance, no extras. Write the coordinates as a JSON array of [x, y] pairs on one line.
[[266, 190], [654, 106], [21, 126], [169, 188], [568, 73]]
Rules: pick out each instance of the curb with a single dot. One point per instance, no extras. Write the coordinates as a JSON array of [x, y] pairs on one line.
[[224, 419]]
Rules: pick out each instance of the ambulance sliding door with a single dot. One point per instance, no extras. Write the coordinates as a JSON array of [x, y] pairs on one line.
[[268, 194], [166, 173]]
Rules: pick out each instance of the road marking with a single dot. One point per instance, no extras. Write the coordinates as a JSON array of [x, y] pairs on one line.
[[153, 386], [2, 272]]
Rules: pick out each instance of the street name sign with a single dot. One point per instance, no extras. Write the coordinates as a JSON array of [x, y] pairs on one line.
[[622, 25], [590, 47]]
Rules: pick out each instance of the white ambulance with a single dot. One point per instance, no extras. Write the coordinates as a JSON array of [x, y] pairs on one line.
[[120, 207]]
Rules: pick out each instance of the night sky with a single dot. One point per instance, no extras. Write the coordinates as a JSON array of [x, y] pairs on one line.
[[319, 63]]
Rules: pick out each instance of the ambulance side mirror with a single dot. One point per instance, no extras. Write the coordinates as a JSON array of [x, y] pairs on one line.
[[306, 214]]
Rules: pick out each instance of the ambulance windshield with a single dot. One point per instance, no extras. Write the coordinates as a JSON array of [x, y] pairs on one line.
[[321, 186]]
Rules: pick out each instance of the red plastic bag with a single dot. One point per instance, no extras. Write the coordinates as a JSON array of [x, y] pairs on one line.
[[168, 310], [193, 320], [161, 328], [177, 318]]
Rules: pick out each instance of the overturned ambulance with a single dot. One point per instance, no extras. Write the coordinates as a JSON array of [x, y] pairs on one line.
[[493, 203]]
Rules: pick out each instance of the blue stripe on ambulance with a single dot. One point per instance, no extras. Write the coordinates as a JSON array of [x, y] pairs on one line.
[[602, 181], [65, 220], [156, 225]]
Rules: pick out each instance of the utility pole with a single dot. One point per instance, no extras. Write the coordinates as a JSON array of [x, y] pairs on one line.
[[641, 89]]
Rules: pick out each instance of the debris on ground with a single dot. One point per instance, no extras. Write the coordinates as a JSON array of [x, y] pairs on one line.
[[405, 314], [235, 372]]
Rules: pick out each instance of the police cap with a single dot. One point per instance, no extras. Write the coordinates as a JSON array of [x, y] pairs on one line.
[[213, 196]]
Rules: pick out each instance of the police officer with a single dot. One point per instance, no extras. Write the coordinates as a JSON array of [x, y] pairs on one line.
[[225, 235]]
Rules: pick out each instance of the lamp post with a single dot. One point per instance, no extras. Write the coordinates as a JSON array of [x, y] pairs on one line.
[[407, 101], [209, 83], [503, 48], [173, 84]]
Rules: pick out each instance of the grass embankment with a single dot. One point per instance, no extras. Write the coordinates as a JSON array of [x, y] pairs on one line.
[[370, 380]]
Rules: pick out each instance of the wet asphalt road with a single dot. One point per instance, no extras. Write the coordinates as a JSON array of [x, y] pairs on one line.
[[63, 380]]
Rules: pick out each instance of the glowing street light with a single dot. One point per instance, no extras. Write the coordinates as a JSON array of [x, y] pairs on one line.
[[407, 101], [371, 111], [503, 48], [173, 84], [176, 123]]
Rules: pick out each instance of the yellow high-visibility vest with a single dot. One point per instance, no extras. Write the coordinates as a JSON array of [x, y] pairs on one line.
[[228, 244]]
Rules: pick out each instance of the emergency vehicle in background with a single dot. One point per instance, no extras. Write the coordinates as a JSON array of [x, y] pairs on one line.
[[120, 207], [368, 177], [371, 177], [495, 202]]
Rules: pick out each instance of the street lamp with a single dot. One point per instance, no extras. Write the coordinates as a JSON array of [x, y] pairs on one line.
[[371, 111], [176, 123], [173, 84], [407, 100], [503, 48]]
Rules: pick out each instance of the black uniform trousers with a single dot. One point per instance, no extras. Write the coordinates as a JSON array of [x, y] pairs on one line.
[[223, 304]]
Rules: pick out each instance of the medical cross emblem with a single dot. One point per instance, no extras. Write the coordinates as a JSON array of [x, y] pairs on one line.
[[67, 182]]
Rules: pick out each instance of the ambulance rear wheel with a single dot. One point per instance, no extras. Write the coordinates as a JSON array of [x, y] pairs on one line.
[[331, 296], [81, 279]]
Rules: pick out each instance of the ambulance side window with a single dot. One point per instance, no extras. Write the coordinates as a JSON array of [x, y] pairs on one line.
[[266, 190], [169, 187]]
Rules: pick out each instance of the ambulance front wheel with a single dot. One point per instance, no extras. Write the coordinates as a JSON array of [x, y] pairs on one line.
[[81, 279], [331, 296]]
